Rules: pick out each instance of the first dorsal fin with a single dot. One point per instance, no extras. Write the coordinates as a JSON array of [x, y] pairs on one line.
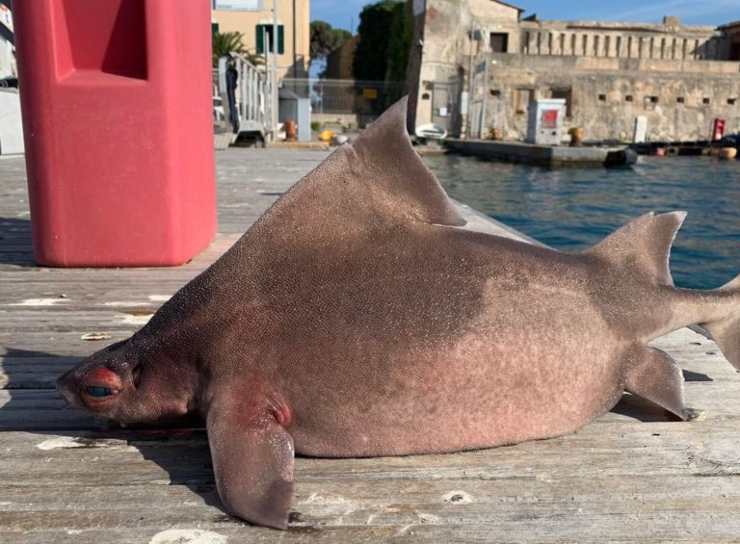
[[386, 156], [643, 244], [377, 180]]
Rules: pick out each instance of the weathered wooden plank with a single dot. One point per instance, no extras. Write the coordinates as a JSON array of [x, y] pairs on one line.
[[636, 483], [620, 479], [702, 449], [496, 510]]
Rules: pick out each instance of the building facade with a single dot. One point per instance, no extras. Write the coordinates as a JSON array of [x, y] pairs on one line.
[[679, 78], [7, 48], [254, 19]]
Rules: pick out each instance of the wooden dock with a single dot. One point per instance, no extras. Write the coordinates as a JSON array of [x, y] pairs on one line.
[[631, 476]]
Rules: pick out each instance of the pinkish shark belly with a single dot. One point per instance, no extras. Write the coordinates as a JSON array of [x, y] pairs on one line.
[[502, 381]]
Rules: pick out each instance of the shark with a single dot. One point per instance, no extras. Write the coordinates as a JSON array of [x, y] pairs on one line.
[[356, 318]]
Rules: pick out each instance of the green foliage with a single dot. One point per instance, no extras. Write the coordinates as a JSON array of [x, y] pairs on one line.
[[399, 46], [386, 31], [315, 126], [231, 42], [325, 39]]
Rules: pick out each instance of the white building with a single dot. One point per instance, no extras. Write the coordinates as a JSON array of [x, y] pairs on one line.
[[7, 50]]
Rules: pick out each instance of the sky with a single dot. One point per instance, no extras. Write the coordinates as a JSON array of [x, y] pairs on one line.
[[346, 13]]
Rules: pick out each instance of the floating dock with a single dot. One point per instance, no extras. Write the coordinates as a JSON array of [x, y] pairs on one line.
[[544, 155]]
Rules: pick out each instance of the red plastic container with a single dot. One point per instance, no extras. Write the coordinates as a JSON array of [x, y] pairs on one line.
[[117, 116]]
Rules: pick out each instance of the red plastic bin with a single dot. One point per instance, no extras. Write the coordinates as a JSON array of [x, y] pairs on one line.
[[117, 116]]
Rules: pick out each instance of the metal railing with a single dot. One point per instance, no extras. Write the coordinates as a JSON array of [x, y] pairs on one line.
[[252, 94]]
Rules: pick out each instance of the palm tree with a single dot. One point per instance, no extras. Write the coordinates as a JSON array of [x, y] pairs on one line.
[[231, 42]]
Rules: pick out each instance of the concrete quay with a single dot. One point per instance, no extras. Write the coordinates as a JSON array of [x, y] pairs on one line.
[[543, 155], [632, 475]]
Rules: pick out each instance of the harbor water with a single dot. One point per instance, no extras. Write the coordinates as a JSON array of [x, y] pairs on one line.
[[573, 208]]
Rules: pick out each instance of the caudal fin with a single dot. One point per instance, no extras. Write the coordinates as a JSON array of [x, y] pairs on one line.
[[726, 332], [643, 245]]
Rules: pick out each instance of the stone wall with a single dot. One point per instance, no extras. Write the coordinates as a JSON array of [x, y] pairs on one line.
[[668, 41], [448, 34], [679, 77], [679, 98]]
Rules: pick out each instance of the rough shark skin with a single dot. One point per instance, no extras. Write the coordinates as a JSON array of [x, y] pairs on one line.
[[355, 319]]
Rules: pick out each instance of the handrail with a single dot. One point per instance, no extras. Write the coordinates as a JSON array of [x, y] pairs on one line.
[[252, 94]]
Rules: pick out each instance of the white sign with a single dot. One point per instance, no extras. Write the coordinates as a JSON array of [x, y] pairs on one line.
[[238, 5], [640, 133]]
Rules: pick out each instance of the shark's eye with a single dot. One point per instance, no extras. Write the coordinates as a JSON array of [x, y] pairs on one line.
[[98, 391]]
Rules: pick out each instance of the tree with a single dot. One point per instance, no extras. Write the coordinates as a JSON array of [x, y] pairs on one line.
[[399, 46], [325, 39], [231, 42], [385, 37]]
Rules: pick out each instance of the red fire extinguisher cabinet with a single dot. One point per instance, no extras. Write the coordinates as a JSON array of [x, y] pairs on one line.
[[117, 117]]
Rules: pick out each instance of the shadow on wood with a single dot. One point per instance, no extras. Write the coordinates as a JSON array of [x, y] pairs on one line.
[[16, 245]]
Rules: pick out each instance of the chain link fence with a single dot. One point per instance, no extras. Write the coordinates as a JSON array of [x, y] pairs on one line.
[[346, 96]]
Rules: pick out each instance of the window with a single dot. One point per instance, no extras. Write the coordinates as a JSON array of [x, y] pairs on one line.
[[264, 38], [495, 92], [629, 98], [522, 97], [602, 98], [731, 101], [566, 94], [499, 42], [706, 101], [680, 100], [651, 99], [735, 51]]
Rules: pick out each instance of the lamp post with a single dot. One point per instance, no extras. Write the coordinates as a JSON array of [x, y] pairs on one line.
[[274, 86]]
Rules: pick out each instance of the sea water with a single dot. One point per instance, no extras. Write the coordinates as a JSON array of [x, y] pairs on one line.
[[573, 208]]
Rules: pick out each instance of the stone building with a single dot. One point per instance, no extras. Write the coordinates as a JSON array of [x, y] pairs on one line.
[[479, 64], [7, 49], [253, 18]]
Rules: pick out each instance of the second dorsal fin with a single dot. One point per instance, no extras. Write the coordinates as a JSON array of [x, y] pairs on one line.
[[643, 244]]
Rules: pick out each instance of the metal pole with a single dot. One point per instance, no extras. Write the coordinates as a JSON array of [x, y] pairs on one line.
[[274, 69], [295, 53]]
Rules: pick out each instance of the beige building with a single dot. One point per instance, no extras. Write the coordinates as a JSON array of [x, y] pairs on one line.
[[480, 64], [256, 24]]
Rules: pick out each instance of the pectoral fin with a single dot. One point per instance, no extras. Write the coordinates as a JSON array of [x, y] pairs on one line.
[[655, 376], [253, 463]]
